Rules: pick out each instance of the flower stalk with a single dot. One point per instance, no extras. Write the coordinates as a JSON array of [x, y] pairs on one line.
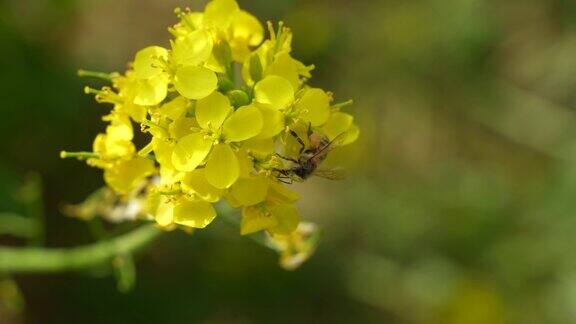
[[15, 260]]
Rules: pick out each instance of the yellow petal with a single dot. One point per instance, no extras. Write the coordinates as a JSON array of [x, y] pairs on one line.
[[256, 218], [250, 191], [170, 176], [163, 152], [286, 67], [220, 13], [212, 111], [222, 167], [120, 128], [248, 28], [117, 142], [245, 163], [191, 213], [213, 64], [273, 121], [350, 136], [190, 152], [245, 31], [275, 91], [193, 49], [296, 247], [99, 145], [280, 194], [182, 126], [231, 201], [110, 149], [337, 124], [136, 112], [164, 214], [124, 175], [151, 91], [146, 62], [152, 202], [262, 147], [195, 82], [315, 106], [287, 217], [195, 182], [175, 108], [246, 122]]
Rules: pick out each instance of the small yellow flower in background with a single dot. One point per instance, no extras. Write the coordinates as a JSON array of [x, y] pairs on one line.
[[149, 83], [228, 117], [116, 143], [296, 247], [125, 175]]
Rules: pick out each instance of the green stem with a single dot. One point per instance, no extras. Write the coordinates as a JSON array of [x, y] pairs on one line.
[[32, 195], [16, 225], [79, 155], [41, 260], [93, 74]]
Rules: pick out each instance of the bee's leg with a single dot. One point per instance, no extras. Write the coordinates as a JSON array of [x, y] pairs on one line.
[[284, 176], [309, 131], [288, 181], [286, 158], [283, 172], [300, 141]]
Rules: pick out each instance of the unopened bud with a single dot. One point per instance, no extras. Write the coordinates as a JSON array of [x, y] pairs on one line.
[[255, 68], [238, 98]]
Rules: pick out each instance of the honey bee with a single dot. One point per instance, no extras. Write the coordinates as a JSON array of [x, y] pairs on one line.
[[309, 160]]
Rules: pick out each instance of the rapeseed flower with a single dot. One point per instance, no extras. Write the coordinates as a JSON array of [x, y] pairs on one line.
[[214, 135]]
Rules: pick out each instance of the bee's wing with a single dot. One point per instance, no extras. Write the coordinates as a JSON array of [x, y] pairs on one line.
[[332, 174], [329, 146], [337, 141]]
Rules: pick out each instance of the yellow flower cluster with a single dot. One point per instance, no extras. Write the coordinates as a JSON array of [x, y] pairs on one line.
[[229, 116]]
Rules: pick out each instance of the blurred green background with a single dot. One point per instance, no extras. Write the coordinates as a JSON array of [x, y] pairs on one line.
[[459, 206]]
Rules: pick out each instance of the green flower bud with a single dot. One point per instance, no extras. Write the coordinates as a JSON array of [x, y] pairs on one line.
[[255, 68], [238, 98]]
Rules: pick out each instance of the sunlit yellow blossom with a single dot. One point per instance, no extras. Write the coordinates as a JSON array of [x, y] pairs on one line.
[[220, 128], [195, 183], [125, 175], [160, 208], [310, 106], [225, 115], [249, 191], [116, 143], [341, 124], [193, 213], [275, 91], [276, 218], [267, 205], [244, 33], [226, 22], [150, 84], [296, 247], [191, 79], [273, 58]]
